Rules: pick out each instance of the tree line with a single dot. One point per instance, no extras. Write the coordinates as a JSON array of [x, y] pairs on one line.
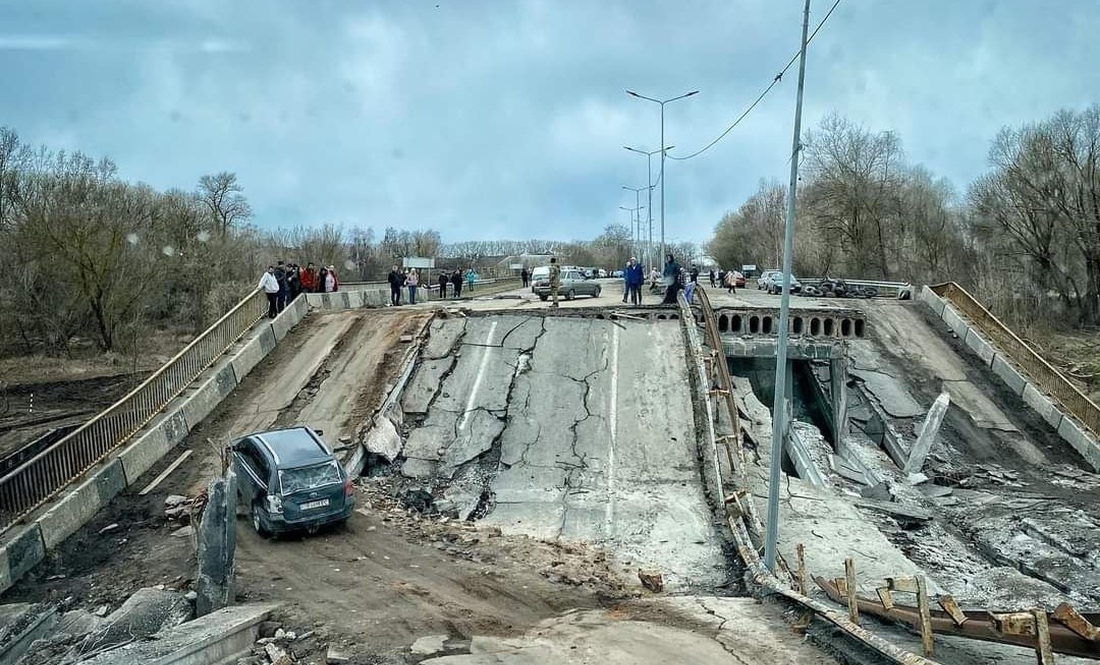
[[94, 259], [1024, 237]]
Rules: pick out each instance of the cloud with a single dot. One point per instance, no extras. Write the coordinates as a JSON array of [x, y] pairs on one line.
[[483, 119]]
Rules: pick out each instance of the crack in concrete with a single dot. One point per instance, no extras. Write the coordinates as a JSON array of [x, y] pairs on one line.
[[452, 355]]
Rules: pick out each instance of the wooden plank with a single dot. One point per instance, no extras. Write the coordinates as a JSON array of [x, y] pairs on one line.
[[802, 569], [1075, 622], [885, 598], [850, 579], [164, 474], [906, 584], [1042, 637], [926, 639], [952, 608]]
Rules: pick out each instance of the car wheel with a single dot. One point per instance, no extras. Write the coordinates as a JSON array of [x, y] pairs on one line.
[[570, 294], [597, 293], [257, 524]]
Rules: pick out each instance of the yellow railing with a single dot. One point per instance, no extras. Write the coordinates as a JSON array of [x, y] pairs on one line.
[[1042, 373], [46, 474]]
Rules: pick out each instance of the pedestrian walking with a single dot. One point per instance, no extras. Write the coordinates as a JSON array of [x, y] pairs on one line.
[[555, 279], [396, 280], [731, 281], [413, 282], [713, 278], [525, 277], [270, 285], [634, 275], [672, 279], [443, 279], [456, 282]]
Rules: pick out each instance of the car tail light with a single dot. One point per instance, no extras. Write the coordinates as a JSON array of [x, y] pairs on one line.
[[274, 504], [349, 487]]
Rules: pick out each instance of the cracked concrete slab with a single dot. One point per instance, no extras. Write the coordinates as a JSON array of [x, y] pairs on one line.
[[895, 399], [424, 385], [442, 336]]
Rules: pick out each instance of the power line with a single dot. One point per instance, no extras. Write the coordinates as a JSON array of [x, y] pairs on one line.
[[777, 79]]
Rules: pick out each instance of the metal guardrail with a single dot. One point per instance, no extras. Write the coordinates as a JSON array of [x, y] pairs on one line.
[[49, 472], [885, 288], [1043, 373]]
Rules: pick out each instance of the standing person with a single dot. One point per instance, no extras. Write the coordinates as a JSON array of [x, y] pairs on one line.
[[280, 277], [271, 289], [713, 278], [654, 276], [471, 276], [413, 282], [443, 279], [626, 279], [525, 276], [335, 280], [694, 274], [634, 276], [309, 278], [672, 280], [456, 282], [721, 277], [395, 279], [328, 280], [294, 281], [555, 279], [731, 281]]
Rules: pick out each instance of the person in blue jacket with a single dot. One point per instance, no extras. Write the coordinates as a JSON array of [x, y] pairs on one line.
[[634, 276]]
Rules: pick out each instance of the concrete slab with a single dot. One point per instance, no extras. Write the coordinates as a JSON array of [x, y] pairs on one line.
[[890, 392], [287, 319], [442, 335], [425, 384], [254, 349], [936, 303], [209, 393], [22, 552], [980, 346], [1081, 440], [1009, 374], [956, 323], [79, 505], [148, 446], [383, 439], [1043, 405]]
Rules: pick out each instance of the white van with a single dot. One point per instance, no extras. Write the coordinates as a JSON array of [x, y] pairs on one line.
[[542, 273]]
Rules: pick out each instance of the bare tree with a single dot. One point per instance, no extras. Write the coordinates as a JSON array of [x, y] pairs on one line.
[[225, 200]]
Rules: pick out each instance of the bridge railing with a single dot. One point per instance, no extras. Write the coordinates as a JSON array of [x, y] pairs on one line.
[[1042, 372], [46, 474], [719, 369]]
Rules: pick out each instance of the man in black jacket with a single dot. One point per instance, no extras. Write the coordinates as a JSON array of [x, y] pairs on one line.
[[284, 289], [672, 280], [396, 280]]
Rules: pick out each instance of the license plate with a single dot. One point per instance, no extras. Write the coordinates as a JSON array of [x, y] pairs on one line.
[[310, 505]]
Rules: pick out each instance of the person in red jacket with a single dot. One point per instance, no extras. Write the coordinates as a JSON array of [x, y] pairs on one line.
[[309, 278]]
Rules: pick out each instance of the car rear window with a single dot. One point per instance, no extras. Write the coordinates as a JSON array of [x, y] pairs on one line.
[[309, 477]]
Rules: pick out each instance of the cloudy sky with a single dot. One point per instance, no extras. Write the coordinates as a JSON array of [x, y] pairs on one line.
[[499, 119]]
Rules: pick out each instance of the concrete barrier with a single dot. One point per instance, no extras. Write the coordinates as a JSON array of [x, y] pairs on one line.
[[1078, 437], [81, 504], [253, 351], [956, 323], [1009, 374], [154, 442], [21, 553], [1043, 405], [936, 303], [288, 318], [209, 394], [979, 346]]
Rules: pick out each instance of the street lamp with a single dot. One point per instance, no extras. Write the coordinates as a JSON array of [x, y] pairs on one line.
[[649, 167], [664, 249], [638, 210], [636, 234]]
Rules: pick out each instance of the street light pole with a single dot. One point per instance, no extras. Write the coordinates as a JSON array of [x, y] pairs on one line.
[[664, 150], [650, 260], [779, 403], [636, 238]]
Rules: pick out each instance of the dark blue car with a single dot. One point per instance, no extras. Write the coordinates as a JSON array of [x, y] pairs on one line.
[[291, 481]]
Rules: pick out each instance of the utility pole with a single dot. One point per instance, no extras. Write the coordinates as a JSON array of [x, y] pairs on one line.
[[779, 403]]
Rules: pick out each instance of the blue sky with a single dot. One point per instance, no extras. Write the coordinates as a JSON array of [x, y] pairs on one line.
[[494, 119]]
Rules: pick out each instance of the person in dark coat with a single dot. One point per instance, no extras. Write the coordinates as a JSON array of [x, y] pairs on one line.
[[456, 282], [634, 275], [525, 276], [443, 279], [396, 279], [672, 278], [280, 277]]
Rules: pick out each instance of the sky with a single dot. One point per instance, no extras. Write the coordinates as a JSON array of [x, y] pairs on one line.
[[488, 119]]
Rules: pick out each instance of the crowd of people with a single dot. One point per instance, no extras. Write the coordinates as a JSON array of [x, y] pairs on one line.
[[409, 280], [283, 283]]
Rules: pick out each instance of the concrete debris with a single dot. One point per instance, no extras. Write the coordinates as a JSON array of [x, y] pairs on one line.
[[268, 628], [108, 528], [429, 645], [279, 634], [276, 655], [902, 513], [928, 432], [932, 490], [916, 478], [877, 492], [217, 545], [101, 611], [184, 531], [336, 657], [382, 439], [653, 581], [173, 500], [419, 500]]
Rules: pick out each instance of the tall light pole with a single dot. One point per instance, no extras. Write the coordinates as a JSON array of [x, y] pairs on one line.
[[637, 209], [649, 165], [636, 237], [779, 403], [664, 249]]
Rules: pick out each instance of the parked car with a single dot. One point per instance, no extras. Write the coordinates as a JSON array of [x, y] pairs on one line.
[[573, 284], [542, 273], [290, 480], [618, 274], [773, 282], [764, 278], [738, 279], [601, 273]]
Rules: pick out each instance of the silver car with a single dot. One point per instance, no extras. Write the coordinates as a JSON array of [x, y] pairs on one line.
[[573, 284]]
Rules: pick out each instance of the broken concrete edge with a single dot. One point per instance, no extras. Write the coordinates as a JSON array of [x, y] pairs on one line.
[[219, 637], [757, 575], [24, 548], [1078, 437]]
